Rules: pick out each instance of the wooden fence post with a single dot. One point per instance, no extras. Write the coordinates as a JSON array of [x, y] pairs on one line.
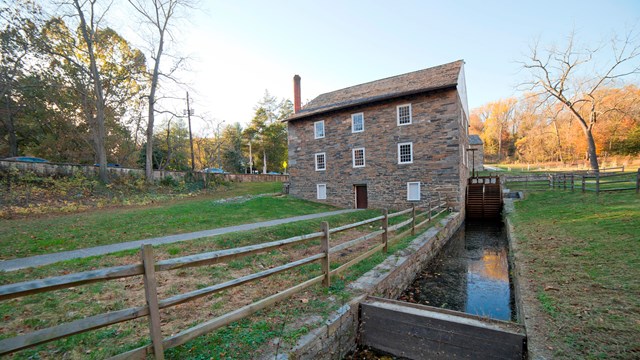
[[584, 185], [429, 209], [638, 182], [385, 227], [413, 219], [324, 247], [572, 182], [597, 182], [564, 181], [151, 294]]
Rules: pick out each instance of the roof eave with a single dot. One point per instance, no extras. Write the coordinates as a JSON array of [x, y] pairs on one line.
[[318, 111]]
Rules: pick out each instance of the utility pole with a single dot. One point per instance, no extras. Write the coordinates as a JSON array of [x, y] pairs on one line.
[[189, 112], [250, 159]]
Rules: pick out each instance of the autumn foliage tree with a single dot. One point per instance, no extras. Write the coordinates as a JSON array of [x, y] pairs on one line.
[[576, 79]]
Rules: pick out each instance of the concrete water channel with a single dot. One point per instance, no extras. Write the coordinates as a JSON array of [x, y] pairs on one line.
[[470, 274]]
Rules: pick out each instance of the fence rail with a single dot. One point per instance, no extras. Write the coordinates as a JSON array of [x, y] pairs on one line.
[[587, 181], [148, 268]]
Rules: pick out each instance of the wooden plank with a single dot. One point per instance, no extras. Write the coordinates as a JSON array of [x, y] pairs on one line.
[[66, 281], [221, 321], [423, 223], [223, 255], [351, 226], [67, 329], [418, 333], [179, 299], [385, 229], [413, 220], [324, 248], [406, 211], [356, 260], [501, 324], [354, 242], [403, 337], [151, 296], [399, 225]]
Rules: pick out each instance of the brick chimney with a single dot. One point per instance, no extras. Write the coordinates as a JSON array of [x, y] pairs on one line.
[[296, 93]]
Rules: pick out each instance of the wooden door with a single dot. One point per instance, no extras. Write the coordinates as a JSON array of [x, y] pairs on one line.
[[361, 196]]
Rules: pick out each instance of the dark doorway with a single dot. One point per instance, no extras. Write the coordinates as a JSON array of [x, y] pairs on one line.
[[361, 196]]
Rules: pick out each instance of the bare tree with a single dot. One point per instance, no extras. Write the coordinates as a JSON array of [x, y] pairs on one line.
[[560, 76], [159, 15], [89, 33]]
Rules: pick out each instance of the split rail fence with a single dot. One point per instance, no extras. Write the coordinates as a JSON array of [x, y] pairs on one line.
[[148, 268], [597, 182]]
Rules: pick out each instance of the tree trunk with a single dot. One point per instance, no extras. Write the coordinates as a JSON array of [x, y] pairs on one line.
[[100, 132], [264, 161], [152, 96], [11, 130], [591, 149], [555, 126]]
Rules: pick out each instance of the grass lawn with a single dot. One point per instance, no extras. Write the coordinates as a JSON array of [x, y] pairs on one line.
[[246, 339], [583, 256], [41, 235]]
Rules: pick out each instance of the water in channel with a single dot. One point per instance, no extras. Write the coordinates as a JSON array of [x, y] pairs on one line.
[[470, 274]]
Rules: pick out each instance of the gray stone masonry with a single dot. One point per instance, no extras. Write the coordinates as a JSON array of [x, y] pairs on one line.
[[439, 140], [338, 336]]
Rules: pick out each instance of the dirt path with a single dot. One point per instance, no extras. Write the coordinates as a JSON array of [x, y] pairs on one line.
[[39, 260]]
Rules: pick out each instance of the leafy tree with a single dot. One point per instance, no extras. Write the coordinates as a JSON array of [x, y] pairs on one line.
[[267, 132], [18, 51], [233, 159]]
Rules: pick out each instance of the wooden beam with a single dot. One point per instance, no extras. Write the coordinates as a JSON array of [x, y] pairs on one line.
[[356, 260], [221, 321], [351, 226], [406, 211], [324, 248], [354, 242], [66, 281], [151, 296], [228, 254], [192, 295], [75, 327]]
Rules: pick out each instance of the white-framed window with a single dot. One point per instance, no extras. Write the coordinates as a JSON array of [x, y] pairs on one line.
[[405, 153], [413, 191], [321, 162], [322, 191], [357, 122], [358, 157], [404, 114], [318, 129]]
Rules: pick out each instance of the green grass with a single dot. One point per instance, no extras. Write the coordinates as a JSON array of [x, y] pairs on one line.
[[28, 237], [237, 341], [583, 254]]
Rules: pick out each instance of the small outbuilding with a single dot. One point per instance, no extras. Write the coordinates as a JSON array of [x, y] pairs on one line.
[[476, 152]]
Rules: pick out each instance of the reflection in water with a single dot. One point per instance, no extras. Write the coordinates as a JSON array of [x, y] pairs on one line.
[[470, 274]]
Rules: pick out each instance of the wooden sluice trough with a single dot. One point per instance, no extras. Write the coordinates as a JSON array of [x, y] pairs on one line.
[[423, 332]]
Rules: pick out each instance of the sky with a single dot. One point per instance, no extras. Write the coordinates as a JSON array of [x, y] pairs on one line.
[[239, 49]]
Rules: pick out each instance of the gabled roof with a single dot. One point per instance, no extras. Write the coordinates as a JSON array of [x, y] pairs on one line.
[[421, 81], [475, 140]]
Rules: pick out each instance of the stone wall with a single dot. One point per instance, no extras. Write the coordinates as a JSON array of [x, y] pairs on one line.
[[51, 169], [339, 334], [438, 149]]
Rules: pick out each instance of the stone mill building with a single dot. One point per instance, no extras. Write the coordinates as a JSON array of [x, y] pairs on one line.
[[388, 143]]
